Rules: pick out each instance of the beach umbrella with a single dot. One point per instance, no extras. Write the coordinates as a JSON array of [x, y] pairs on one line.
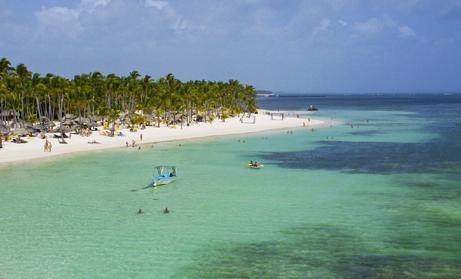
[[68, 122], [64, 129], [70, 116], [20, 132], [31, 129], [149, 117], [39, 127], [44, 120], [92, 124], [96, 119], [83, 121]]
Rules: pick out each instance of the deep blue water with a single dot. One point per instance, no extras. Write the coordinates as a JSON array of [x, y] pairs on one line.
[[438, 114], [416, 102]]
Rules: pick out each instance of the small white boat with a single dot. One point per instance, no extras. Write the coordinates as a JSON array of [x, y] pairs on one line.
[[163, 175], [312, 108]]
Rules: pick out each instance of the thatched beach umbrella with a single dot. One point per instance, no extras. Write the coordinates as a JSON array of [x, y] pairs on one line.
[[51, 124], [20, 132], [84, 121], [39, 128], [32, 129], [64, 129], [68, 122], [149, 117], [70, 116]]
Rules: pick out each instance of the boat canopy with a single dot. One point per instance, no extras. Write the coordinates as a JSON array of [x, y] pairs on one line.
[[164, 170]]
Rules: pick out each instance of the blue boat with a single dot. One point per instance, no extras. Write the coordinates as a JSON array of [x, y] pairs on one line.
[[163, 175]]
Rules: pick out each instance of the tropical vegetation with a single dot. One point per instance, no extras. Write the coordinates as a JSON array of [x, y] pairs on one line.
[[31, 98]]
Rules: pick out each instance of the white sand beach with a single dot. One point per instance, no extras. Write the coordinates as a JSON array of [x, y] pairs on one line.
[[34, 148]]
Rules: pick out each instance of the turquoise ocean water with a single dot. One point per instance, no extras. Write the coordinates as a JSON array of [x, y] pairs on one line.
[[376, 196]]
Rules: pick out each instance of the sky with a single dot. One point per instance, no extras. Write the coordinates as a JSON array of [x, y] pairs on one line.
[[303, 46]]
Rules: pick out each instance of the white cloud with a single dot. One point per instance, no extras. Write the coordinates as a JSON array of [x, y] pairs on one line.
[[59, 20], [342, 22], [57, 14], [64, 21], [176, 21], [158, 4], [323, 26], [91, 5], [379, 26], [374, 25], [180, 24], [406, 32]]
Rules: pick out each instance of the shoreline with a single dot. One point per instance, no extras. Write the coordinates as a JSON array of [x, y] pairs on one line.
[[34, 148]]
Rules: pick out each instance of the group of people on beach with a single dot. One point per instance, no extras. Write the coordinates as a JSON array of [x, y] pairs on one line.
[[133, 142]]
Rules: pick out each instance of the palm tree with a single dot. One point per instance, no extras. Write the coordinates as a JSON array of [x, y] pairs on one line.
[[38, 89], [24, 77], [5, 68], [80, 95], [134, 88], [60, 90]]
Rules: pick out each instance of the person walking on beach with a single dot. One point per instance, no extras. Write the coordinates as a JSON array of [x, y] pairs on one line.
[[45, 147], [49, 146], [140, 137]]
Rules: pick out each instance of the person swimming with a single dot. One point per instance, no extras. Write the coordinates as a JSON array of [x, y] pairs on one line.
[[166, 210]]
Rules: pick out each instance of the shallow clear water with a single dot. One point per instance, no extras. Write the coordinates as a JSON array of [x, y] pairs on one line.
[[377, 196]]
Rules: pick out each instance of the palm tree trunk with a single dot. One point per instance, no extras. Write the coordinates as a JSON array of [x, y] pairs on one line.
[[39, 111]]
